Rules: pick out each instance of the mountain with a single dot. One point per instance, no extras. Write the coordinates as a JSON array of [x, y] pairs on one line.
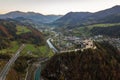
[[102, 63], [104, 13], [35, 17], [112, 31], [85, 18], [11, 30], [72, 18]]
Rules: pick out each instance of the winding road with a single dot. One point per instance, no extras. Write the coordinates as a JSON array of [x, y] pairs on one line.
[[51, 46], [7, 67]]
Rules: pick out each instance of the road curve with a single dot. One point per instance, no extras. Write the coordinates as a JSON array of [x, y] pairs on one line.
[[51, 46], [6, 69]]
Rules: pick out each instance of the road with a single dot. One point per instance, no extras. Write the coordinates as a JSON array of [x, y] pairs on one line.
[[70, 51], [56, 51], [89, 42], [7, 67], [51, 46]]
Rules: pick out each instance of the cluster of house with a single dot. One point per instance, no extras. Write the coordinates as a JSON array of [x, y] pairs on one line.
[[80, 42], [115, 42], [112, 40]]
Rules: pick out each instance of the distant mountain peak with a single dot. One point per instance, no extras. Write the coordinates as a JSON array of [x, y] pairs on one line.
[[15, 12], [72, 19], [36, 17], [117, 6]]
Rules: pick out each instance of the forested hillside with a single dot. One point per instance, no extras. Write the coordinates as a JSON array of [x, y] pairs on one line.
[[12, 31], [113, 31], [102, 63], [76, 19], [13, 34]]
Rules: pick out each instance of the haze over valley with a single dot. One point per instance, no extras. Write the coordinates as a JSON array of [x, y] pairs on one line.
[[60, 41]]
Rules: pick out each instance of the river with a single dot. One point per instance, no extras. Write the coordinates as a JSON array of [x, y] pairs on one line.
[[37, 74]]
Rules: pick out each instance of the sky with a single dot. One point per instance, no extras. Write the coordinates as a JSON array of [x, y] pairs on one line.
[[59, 7]]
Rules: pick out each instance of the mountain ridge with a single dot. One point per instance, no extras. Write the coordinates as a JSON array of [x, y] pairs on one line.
[[30, 15], [73, 19]]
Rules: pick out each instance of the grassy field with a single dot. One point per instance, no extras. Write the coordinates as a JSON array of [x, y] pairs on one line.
[[12, 49], [30, 49], [36, 51], [102, 25], [85, 30], [22, 29], [81, 31]]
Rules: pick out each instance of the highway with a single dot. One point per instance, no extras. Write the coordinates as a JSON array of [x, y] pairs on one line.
[[51, 46], [7, 67], [56, 51]]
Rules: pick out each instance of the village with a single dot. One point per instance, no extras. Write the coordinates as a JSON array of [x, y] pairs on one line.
[[72, 42]]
